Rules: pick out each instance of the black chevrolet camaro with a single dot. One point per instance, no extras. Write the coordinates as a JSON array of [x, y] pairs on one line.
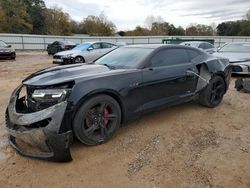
[[91, 101]]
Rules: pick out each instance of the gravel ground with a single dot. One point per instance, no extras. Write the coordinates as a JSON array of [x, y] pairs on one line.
[[183, 146]]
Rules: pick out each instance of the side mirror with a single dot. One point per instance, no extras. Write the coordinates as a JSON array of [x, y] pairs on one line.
[[9, 46], [90, 48]]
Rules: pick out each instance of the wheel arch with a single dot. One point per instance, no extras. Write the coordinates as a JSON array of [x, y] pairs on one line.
[[114, 94], [81, 57], [215, 68]]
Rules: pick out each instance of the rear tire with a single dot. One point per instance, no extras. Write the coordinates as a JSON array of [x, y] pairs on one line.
[[213, 94], [97, 120]]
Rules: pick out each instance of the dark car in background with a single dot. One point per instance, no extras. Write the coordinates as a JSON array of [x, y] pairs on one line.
[[59, 46], [6, 51], [206, 46], [91, 101], [238, 54]]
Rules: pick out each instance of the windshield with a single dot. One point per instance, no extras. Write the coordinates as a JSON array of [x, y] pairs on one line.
[[3, 44], [125, 57], [82, 47], [236, 47]]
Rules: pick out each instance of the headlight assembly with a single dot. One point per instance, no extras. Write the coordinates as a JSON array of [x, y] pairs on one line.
[[58, 95]]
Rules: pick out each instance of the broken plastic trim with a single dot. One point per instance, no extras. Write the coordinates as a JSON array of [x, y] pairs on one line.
[[198, 76], [47, 139], [58, 144]]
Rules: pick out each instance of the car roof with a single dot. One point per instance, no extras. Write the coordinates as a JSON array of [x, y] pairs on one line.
[[152, 46], [194, 42], [156, 46], [93, 42]]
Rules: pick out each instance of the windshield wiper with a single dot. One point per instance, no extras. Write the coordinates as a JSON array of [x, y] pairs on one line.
[[109, 66]]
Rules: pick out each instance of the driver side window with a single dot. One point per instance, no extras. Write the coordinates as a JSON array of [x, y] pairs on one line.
[[96, 46], [170, 57]]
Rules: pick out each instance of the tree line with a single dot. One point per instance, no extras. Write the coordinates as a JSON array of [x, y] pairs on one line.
[[33, 17]]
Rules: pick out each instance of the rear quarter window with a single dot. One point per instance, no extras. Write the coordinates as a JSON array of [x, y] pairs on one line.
[[194, 55]]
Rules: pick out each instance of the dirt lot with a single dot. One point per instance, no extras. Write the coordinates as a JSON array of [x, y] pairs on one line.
[[183, 146]]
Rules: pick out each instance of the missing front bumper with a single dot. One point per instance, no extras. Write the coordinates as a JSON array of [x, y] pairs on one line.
[[58, 145], [54, 146]]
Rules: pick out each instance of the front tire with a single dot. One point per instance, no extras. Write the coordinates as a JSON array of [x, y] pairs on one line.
[[79, 59], [97, 120], [213, 94]]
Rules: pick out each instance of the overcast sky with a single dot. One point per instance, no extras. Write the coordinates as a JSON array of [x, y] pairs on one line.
[[127, 14]]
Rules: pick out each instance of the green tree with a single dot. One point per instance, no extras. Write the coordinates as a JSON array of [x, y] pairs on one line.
[[160, 28], [14, 17], [138, 31], [191, 31], [245, 28], [98, 26], [179, 31], [37, 12], [57, 22], [121, 33], [76, 27], [199, 30], [229, 28]]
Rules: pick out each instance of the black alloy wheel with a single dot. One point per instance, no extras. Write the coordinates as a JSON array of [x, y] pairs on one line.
[[217, 92], [97, 120], [213, 94]]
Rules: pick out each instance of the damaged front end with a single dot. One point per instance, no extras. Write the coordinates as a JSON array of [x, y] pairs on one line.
[[34, 120]]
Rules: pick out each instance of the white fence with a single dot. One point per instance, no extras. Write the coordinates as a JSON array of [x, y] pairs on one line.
[[40, 42]]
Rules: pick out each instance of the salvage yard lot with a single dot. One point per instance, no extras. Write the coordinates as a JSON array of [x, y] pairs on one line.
[[183, 146]]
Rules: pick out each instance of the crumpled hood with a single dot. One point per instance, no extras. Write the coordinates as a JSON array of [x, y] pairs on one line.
[[234, 57], [67, 52], [61, 74]]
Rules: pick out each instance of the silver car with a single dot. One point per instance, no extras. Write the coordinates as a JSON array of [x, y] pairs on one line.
[[83, 53], [238, 54], [206, 46]]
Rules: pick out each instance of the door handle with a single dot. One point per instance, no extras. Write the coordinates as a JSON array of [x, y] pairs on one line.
[[150, 68]]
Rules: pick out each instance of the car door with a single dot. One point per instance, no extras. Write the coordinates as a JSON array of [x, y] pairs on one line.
[[106, 47], [93, 52], [166, 79]]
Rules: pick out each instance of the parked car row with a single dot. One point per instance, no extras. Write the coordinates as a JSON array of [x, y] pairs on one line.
[[85, 52], [237, 53], [67, 52]]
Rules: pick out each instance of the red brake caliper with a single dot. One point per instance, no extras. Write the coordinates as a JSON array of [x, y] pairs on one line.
[[105, 113]]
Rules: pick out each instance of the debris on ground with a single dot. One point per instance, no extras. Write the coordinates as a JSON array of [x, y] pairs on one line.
[[243, 85]]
